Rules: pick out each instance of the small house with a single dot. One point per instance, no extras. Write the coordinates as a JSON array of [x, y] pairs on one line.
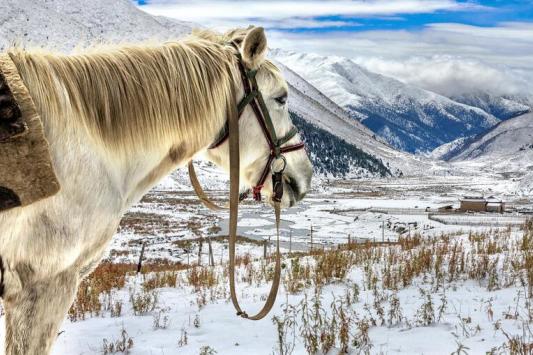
[[481, 204], [495, 205], [473, 203]]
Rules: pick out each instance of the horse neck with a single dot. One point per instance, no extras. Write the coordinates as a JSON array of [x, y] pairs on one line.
[[84, 165]]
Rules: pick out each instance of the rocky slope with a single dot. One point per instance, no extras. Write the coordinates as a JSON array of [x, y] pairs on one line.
[[407, 117]]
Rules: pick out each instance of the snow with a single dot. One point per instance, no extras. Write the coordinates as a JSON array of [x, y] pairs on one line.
[[336, 210], [415, 119], [470, 310]]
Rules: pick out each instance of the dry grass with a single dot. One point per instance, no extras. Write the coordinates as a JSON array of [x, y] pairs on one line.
[[495, 259], [123, 345], [95, 294]]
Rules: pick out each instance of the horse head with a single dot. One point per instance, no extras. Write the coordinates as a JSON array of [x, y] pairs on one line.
[[265, 148]]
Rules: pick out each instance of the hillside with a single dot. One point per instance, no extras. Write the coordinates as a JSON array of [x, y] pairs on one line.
[[332, 156], [502, 107], [506, 147], [65, 24], [314, 107], [408, 118]]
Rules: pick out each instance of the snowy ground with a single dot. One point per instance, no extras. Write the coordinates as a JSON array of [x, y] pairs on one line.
[[434, 312], [336, 211]]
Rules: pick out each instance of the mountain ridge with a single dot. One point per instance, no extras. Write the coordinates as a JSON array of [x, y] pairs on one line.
[[407, 117]]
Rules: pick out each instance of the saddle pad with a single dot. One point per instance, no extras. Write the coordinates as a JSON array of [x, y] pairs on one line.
[[26, 171]]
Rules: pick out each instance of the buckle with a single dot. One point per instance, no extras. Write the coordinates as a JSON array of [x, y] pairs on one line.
[[276, 159], [277, 186], [256, 190]]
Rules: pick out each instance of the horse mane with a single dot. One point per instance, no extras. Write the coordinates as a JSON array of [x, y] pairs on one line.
[[137, 96]]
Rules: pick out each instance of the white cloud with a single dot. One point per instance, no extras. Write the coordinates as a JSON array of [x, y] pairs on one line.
[[516, 31], [208, 12], [447, 58], [451, 76]]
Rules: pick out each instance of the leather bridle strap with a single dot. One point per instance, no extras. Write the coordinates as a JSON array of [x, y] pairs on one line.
[[2, 271], [254, 98], [233, 125], [200, 191]]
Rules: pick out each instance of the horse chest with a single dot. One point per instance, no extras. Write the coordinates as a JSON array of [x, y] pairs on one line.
[[53, 239]]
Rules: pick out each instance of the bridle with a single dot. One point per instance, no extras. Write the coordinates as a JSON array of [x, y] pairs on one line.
[[230, 132], [254, 98], [2, 271]]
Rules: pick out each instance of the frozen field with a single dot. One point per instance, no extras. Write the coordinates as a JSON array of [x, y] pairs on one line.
[[436, 288], [334, 213]]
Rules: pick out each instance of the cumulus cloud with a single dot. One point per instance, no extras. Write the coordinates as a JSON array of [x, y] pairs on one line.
[[452, 76], [446, 58], [217, 11]]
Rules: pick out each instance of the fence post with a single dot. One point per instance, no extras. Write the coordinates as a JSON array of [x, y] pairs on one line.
[[211, 258], [264, 249], [290, 241], [200, 245], [383, 231], [311, 238], [140, 263]]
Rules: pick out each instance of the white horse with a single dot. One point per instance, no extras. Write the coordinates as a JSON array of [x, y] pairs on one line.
[[118, 120]]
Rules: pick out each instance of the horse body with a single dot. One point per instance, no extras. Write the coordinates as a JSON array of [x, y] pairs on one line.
[[108, 151]]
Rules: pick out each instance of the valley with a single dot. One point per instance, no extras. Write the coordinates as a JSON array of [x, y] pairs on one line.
[[376, 258], [460, 290]]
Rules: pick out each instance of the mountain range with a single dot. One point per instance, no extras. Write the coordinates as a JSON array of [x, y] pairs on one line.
[[407, 117]]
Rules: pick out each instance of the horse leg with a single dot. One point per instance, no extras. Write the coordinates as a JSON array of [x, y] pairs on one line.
[[35, 311]]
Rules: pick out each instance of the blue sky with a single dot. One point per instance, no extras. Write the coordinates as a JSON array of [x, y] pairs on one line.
[[478, 42], [478, 13]]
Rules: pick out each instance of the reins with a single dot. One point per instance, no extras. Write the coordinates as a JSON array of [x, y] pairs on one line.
[[2, 271], [230, 132]]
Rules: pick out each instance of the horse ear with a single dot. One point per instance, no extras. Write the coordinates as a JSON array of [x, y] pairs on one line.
[[254, 48]]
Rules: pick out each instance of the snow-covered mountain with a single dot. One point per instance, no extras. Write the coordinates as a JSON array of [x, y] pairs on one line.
[[502, 107], [450, 149], [511, 137], [66, 24], [309, 103], [508, 147], [407, 117]]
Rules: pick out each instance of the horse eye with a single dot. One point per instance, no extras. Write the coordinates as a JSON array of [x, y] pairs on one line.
[[282, 100]]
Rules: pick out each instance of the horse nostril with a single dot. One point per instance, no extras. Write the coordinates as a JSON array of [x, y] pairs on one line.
[[295, 187]]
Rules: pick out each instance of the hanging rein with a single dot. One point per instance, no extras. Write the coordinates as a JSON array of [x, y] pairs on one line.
[[254, 98], [2, 271]]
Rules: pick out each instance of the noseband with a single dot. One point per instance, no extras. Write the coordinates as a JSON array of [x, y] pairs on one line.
[[254, 98]]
